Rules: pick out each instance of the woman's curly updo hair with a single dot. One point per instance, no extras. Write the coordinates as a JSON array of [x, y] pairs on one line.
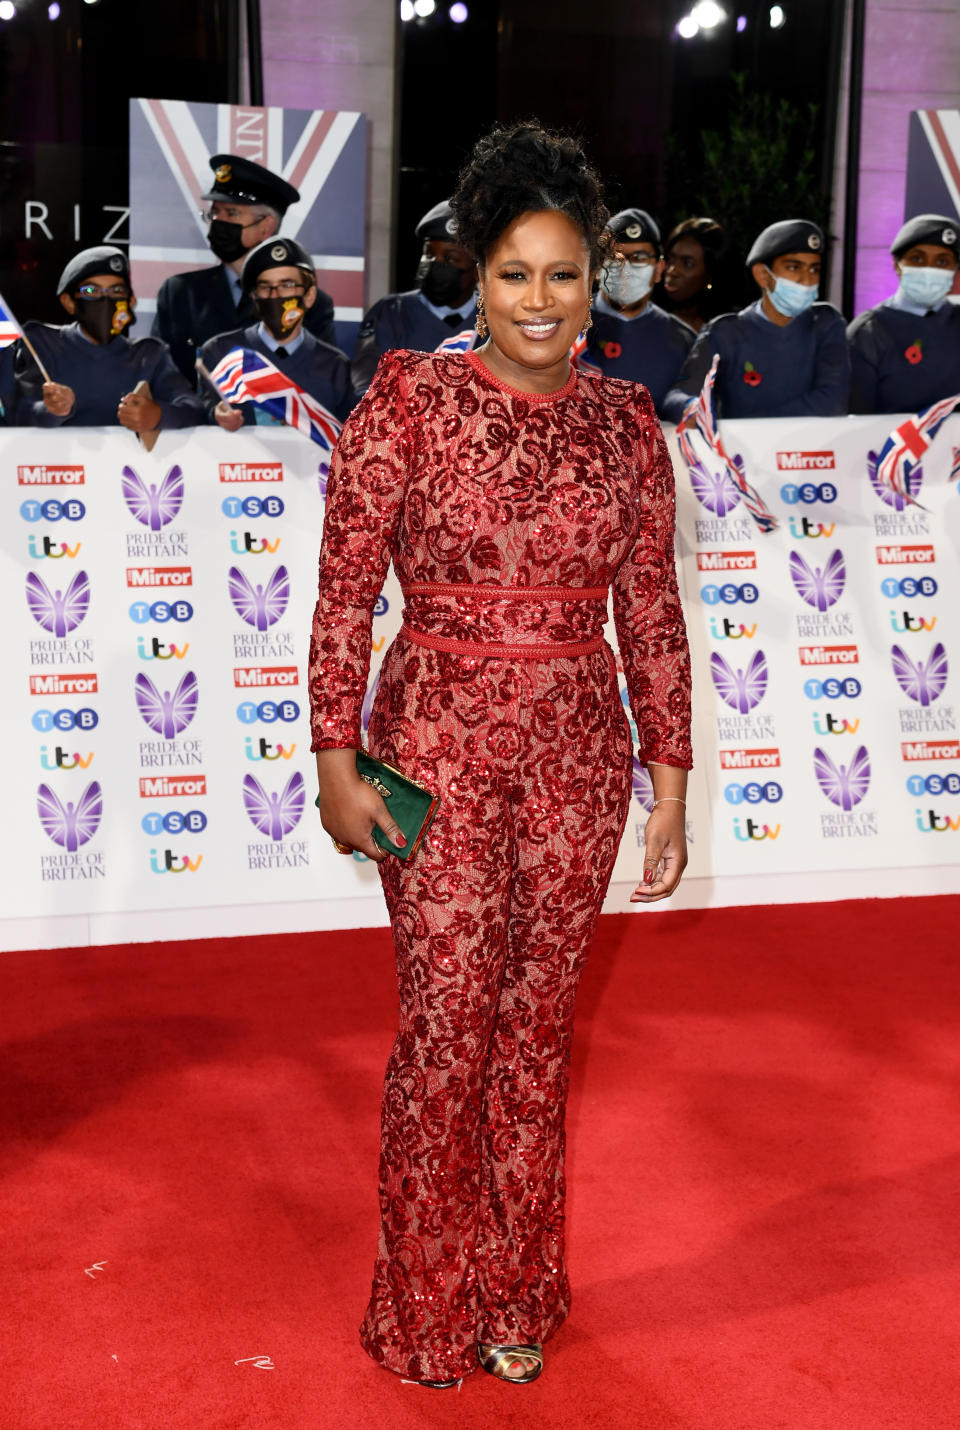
[[524, 168]]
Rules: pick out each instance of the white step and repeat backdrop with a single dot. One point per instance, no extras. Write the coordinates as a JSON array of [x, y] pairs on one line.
[[159, 781]]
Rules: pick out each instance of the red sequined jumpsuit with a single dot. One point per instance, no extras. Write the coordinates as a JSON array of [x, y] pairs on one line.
[[507, 515]]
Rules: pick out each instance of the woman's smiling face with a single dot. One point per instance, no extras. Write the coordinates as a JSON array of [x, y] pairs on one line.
[[536, 291]]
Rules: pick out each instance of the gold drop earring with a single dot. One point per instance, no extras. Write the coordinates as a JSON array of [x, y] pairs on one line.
[[481, 319]]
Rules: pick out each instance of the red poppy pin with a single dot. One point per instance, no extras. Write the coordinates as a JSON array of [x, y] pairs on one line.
[[914, 352], [750, 375], [611, 350]]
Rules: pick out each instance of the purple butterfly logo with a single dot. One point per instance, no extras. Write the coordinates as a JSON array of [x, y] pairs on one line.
[[259, 606], [274, 814], [70, 825], [717, 491], [913, 479], [741, 689], [153, 506], [819, 586], [167, 714], [844, 785], [59, 612], [923, 681], [642, 785]]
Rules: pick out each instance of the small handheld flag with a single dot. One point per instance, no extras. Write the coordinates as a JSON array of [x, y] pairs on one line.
[[242, 375], [10, 331], [701, 410], [907, 444], [459, 342]]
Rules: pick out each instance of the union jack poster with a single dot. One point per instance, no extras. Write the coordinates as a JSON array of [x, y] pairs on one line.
[[322, 153], [933, 163]]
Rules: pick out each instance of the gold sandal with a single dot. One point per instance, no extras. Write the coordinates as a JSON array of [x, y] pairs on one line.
[[496, 1360]]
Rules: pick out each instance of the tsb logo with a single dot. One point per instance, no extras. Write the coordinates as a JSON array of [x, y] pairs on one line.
[[53, 510], [160, 611], [754, 793], [268, 711], [909, 586], [84, 719], [934, 784], [808, 492], [173, 822], [730, 594], [832, 688], [251, 506]]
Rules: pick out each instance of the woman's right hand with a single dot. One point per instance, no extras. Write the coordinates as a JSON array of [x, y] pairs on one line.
[[349, 807]]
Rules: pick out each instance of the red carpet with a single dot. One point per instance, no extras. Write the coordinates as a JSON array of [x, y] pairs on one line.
[[765, 1170]]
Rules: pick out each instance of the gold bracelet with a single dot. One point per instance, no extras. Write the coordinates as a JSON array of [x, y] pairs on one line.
[[670, 799]]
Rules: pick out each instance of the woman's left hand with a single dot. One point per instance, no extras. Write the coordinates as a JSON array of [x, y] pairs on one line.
[[666, 853]]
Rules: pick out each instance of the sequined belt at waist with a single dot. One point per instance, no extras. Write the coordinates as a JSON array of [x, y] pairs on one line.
[[519, 623]]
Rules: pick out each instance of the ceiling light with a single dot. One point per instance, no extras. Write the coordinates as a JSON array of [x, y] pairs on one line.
[[458, 13], [423, 8], [708, 14], [687, 28], [778, 17]]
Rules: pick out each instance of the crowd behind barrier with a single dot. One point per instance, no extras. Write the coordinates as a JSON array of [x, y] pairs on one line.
[[158, 614]]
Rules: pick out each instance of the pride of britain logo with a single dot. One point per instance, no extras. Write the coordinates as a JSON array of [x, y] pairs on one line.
[[261, 606], [913, 480], [820, 586], [844, 785], [166, 712], [717, 491], [61, 610], [742, 689], [153, 506], [922, 680], [67, 823], [274, 813]]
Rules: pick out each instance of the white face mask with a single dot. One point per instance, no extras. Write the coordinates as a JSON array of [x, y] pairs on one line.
[[926, 286], [628, 283]]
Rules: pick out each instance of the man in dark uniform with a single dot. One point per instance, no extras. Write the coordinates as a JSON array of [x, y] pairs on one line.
[[631, 337], [280, 279], [444, 301], [247, 205], [98, 376], [905, 353], [785, 355]]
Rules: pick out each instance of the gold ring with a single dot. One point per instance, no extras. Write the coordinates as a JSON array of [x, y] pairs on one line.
[[341, 848]]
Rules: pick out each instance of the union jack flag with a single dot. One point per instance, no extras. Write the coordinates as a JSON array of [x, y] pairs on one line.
[[9, 327], [459, 342], [322, 153], [245, 376], [702, 411], [907, 444], [583, 363]]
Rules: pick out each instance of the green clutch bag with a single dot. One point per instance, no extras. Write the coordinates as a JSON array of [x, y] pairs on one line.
[[411, 803]]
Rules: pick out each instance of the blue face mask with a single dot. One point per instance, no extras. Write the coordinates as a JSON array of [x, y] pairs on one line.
[[926, 286], [791, 299]]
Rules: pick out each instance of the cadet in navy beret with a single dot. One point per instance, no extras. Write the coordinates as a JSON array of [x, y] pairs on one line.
[[905, 352], [279, 277], [443, 303], [630, 337], [786, 354], [247, 206], [94, 368]]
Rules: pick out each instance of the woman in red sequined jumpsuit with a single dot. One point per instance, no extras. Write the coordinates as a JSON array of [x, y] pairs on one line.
[[511, 492]]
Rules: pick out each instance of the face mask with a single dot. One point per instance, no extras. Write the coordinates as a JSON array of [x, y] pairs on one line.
[[628, 283], [226, 239], [791, 299], [281, 315], [925, 286], [440, 283], [104, 318]]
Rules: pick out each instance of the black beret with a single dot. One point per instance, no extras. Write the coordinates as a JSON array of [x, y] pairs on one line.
[[438, 222], [241, 181], [636, 226], [792, 235], [91, 261], [927, 228], [274, 253]]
